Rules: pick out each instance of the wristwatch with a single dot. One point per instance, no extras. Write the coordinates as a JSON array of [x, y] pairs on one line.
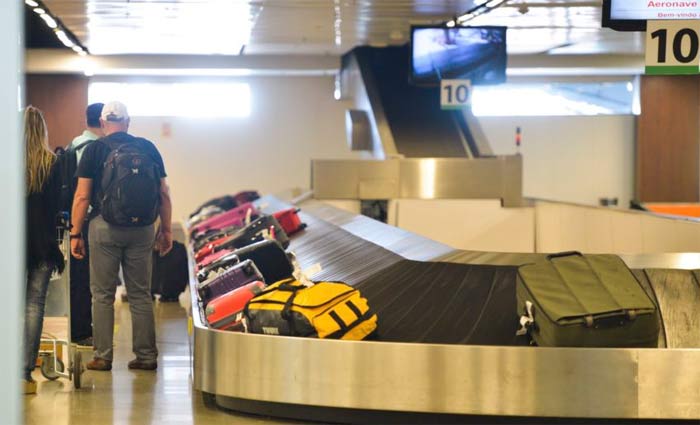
[[76, 236]]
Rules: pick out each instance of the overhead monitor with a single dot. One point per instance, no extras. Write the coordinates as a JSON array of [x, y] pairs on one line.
[[472, 53], [632, 15]]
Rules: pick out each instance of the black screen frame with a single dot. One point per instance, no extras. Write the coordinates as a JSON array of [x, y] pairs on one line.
[[621, 24], [412, 81]]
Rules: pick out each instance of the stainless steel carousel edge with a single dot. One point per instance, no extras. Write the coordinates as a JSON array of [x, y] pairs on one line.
[[447, 379]]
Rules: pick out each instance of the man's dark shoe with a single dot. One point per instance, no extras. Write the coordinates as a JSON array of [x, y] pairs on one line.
[[99, 364], [169, 299], [143, 364]]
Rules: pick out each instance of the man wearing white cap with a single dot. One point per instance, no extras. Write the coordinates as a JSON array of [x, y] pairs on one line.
[[124, 176]]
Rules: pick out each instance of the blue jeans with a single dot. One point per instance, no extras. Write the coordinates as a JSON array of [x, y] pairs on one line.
[[37, 285]]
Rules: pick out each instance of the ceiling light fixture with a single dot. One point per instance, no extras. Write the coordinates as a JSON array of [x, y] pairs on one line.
[[51, 22], [481, 7], [62, 33], [64, 38]]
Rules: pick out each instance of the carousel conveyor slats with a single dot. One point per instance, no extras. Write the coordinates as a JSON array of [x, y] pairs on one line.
[[678, 296], [446, 325]]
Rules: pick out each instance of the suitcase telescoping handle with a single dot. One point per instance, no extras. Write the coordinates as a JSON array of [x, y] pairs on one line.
[[564, 254]]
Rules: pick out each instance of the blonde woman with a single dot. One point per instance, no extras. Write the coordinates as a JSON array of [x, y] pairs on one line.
[[43, 254]]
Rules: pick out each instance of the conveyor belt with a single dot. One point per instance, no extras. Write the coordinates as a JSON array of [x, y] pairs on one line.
[[444, 303], [338, 252], [467, 306], [407, 245], [678, 296]]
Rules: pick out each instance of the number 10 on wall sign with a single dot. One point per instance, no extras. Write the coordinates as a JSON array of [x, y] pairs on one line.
[[455, 94], [673, 47]]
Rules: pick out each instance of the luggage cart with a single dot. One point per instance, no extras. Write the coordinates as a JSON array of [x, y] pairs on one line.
[[52, 365]]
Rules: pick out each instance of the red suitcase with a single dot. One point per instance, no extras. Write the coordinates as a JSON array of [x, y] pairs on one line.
[[210, 249], [234, 217], [225, 312], [290, 221]]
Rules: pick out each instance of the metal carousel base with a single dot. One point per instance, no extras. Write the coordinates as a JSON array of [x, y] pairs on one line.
[[397, 382]]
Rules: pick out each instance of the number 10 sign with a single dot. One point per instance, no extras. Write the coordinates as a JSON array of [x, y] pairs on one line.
[[455, 94], [672, 47]]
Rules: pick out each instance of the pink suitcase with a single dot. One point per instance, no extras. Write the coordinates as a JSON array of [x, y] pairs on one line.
[[211, 258], [234, 217]]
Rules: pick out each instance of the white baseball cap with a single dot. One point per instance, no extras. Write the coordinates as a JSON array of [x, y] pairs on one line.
[[114, 111]]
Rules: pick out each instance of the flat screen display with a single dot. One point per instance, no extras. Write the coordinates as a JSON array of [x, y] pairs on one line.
[[653, 9], [473, 53], [632, 15]]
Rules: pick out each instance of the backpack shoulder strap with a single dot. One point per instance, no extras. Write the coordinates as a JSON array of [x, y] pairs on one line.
[[105, 142], [83, 146]]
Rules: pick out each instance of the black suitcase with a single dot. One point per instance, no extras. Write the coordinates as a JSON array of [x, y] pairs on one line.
[[225, 202], [265, 227], [169, 273], [269, 256]]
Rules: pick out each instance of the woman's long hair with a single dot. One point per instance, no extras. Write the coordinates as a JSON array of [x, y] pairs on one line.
[[38, 155]]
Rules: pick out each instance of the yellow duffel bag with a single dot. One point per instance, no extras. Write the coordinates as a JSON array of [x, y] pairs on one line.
[[331, 310]]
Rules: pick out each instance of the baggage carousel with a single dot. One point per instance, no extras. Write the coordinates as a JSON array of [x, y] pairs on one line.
[[447, 350]]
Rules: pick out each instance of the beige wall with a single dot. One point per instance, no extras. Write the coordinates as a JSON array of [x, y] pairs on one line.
[[484, 225], [470, 224], [571, 159], [292, 120], [562, 227]]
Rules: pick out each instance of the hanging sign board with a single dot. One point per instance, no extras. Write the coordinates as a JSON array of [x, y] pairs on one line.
[[455, 94], [673, 48], [654, 9]]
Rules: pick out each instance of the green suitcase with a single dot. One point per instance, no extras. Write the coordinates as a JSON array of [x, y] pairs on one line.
[[572, 300]]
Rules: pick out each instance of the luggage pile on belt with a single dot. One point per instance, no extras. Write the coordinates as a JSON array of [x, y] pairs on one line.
[[248, 282]]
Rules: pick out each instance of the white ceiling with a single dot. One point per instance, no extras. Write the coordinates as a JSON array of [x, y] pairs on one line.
[[324, 26]]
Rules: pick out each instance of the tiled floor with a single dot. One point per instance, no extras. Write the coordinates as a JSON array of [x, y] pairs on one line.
[[126, 397]]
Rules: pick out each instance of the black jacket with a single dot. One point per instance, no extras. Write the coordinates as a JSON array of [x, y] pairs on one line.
[[41, 233]]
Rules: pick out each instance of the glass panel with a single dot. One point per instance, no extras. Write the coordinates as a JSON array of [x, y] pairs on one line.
[[556, 99]]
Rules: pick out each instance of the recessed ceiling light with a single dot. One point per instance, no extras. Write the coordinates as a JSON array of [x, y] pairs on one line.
[[31, 3], [64, 38], [39, 10], [51, 22], [494, 3]]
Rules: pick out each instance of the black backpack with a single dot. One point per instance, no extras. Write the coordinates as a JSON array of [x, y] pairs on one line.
[[130, 185], [69, 178]]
